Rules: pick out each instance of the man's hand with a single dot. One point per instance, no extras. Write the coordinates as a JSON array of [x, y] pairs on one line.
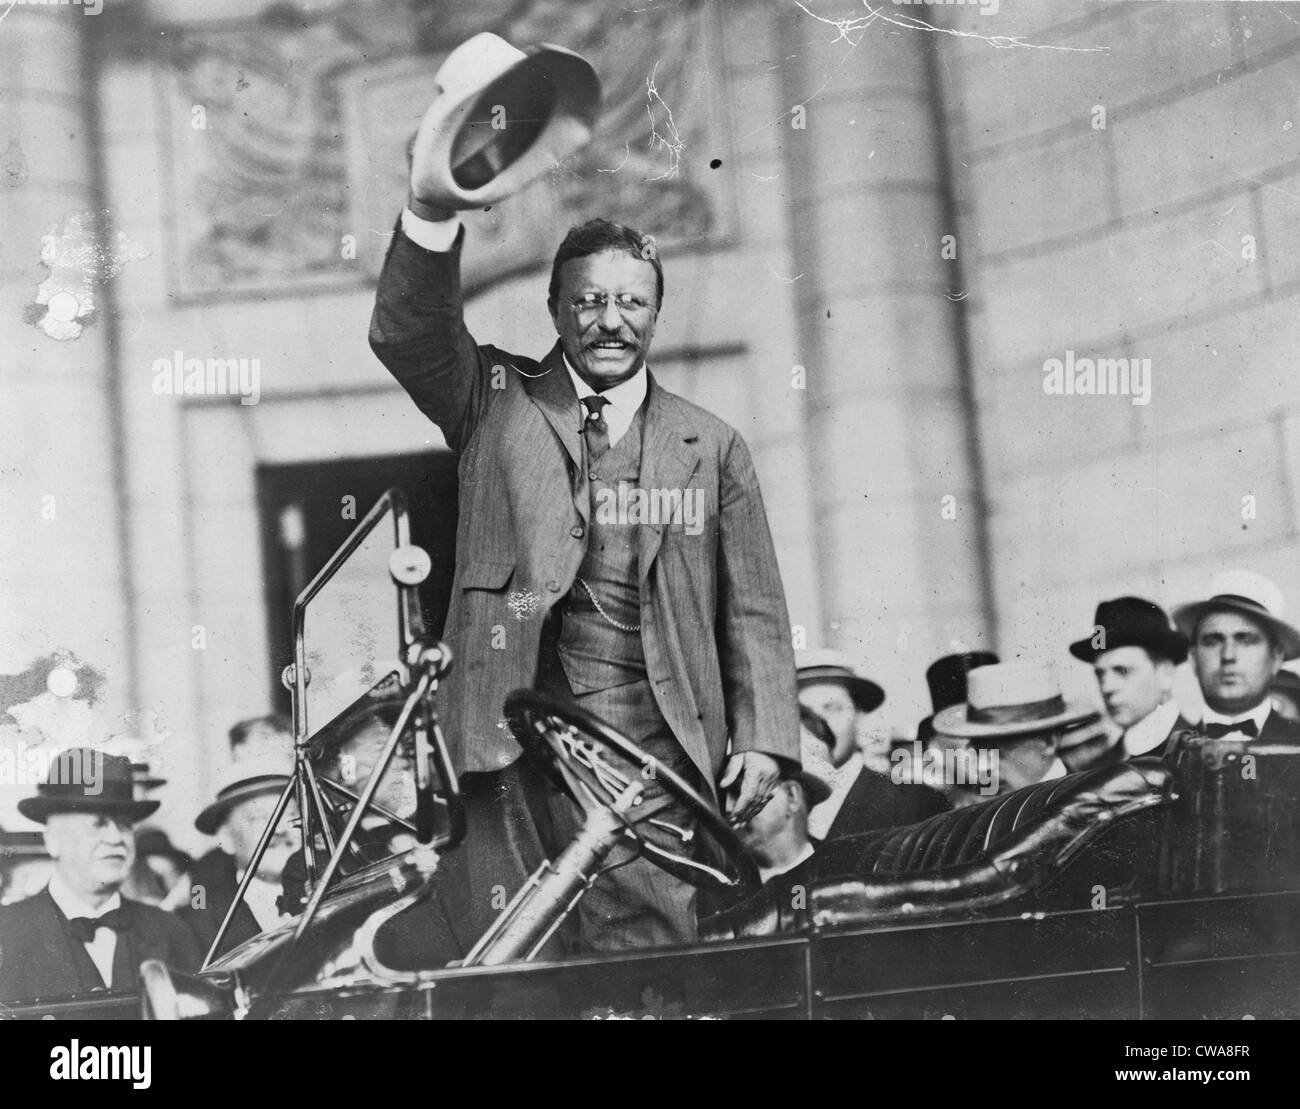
[[418, 206], [753, 776]]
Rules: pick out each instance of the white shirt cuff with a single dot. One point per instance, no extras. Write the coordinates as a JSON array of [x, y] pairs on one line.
[[437, 235]]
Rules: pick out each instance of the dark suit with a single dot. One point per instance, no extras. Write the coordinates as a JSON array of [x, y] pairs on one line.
[[716, 637], [789, 889], [39, 957], [716, 633], [424, 935], [1277, 729], [874, 801], [215, 873]]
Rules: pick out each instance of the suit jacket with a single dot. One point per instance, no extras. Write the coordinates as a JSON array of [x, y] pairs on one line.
[[215, 872], [1277, 729], [713, 615], [40, 958], [873, 801], [789, 889]]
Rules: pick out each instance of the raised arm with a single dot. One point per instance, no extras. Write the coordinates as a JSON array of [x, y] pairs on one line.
[[418, 331]]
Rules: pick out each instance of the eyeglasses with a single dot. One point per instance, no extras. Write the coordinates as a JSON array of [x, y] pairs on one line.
[[590, 305]]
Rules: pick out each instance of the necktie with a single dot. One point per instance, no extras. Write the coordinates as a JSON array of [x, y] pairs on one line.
[[594, 429], [84, 928], [1218, 731]]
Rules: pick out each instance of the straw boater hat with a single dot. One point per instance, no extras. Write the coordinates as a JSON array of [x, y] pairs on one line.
[[1011, 699], [502, 117], [245, 779], [1248, 593], [82, 779], [1131, 622], [823, 665]]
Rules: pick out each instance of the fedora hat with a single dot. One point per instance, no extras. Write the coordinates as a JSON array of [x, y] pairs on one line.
[[1131, 622], [824, 665], [245, 779], [815, 788], [1011, 699], [81, 779], [502, 117], [1248, 593]]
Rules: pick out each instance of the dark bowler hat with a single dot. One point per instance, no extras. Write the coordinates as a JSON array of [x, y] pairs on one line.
[[82, 779], [822, 665], [946, 678], [1132, 622]]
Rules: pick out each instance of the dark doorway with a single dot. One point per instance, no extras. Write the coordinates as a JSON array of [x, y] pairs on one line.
[[306, 514]]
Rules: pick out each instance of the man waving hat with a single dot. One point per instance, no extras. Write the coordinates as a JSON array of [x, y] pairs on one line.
[[676, 636]]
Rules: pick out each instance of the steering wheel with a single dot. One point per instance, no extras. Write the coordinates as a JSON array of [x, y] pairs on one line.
[[572, 745]]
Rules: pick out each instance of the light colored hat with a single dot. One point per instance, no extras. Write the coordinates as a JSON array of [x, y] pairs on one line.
[[1011, 698], [246, 778], [502, 118], [1248, 593], [824, 665]]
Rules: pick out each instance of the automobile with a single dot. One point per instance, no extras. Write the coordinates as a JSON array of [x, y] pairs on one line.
[[1149, 889]]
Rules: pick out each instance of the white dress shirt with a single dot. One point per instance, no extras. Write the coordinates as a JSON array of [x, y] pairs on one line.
[[768, 873], [260, 897], [1258, 714], [624, 399], [840, 779], [436, 235], [104, 946], [1151, 731]]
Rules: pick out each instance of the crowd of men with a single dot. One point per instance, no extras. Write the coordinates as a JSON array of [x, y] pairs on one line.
[[114, 895]]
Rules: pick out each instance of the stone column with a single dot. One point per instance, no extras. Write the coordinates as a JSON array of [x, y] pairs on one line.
[[894, 470], [61, 537]]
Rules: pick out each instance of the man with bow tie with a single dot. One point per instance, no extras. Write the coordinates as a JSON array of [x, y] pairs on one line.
[[80, 934], [1239, 642]]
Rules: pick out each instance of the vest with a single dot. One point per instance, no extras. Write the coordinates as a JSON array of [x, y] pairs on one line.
[[594, 653]]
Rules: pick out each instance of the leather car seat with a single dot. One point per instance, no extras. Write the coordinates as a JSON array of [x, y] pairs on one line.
[[984, 855]]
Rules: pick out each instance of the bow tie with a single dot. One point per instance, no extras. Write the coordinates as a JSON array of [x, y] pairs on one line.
[[1218, 731], [84, 928]]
